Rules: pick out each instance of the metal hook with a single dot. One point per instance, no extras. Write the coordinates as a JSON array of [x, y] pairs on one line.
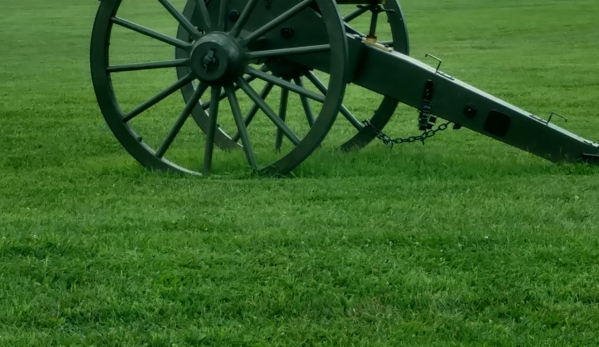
[[556, 114], [437, 59]]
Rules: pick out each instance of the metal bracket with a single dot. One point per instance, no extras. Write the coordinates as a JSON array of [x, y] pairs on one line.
[[425, 120], [555, 114]]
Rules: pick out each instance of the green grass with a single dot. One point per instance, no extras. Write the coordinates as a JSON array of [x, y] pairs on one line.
[[463, 241]]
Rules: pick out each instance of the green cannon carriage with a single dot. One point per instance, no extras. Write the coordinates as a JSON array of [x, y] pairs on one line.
[[221, 47]]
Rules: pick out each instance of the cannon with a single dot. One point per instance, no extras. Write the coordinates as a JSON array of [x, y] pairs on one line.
[[304, 48]]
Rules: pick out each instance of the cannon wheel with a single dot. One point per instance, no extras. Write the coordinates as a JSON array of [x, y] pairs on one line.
[[363, 135], [226, 74], [400, 43]]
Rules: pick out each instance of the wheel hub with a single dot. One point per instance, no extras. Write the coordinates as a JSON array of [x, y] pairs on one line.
[[217, 59]]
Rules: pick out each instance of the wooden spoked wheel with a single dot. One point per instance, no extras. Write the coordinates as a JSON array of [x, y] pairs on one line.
[[219, 60], [303, 77]]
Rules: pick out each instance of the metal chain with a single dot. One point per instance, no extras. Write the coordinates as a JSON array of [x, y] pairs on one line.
[[389, 141]]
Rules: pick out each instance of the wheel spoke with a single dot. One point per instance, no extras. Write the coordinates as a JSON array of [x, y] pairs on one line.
[[147, 66], [200, 4], [305, 104], [350, 117], [289, 51], [181, 120], [151, 33], [284, 84], [223, 95], [211, 131], [268, 111], [158, 97], [185, 23], [355, 14], [275, 22], [243, 18], [283, 101], [252, 112], [222, 15], [245, 139], [344, 111]]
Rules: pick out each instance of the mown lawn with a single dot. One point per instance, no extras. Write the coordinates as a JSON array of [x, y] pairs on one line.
[[463, 241]]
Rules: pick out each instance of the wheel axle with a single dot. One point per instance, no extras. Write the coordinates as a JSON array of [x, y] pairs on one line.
[[217, 59]]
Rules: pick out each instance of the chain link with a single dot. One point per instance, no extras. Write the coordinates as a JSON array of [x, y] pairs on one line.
[[389, 141]]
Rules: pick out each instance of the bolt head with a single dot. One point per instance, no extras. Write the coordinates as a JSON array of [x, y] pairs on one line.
[[287, 32], [234, 15], [470, 111]]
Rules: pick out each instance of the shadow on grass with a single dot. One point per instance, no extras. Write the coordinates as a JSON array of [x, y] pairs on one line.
[[437, 160]]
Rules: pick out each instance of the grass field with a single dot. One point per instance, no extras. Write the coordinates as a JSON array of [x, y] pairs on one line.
[[463, 241]]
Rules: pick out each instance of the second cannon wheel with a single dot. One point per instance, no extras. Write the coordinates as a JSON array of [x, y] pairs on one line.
[[349, 122]]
